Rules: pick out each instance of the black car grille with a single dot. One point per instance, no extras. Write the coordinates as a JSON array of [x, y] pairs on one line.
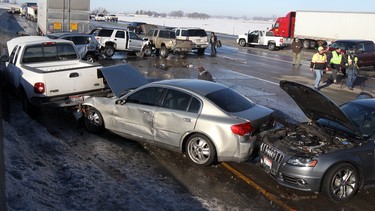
[[271, 153]]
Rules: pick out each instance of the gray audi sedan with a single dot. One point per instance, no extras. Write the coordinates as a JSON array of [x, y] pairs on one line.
[[332, 153], [207, 120]]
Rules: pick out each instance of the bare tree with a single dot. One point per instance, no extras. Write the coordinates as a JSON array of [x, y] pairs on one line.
[[178, 14]]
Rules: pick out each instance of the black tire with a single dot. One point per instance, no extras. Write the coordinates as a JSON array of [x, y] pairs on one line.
[[94, 121], [27, 107], [90, 58], [200, 150], [341, 182], [147, 50], [306, 44], [201, 51], [164, 52], [271, 46], [109, 51], [242, 42]]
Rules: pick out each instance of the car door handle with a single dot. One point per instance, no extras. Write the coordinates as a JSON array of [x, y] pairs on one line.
[[186, 119], [73, 75], [146, 112]]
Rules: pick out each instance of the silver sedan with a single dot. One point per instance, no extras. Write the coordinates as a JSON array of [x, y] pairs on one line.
[[208, 121]]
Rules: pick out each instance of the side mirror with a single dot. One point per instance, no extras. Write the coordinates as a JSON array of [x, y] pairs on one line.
[[4, 58], [145, 39]]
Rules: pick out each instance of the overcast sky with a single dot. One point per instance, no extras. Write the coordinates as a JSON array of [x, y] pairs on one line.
[[235, 8]]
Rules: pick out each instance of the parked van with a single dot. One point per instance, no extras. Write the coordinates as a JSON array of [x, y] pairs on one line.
[[197, 36]]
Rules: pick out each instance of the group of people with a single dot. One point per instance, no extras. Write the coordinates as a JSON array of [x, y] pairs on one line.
[[339, 62]]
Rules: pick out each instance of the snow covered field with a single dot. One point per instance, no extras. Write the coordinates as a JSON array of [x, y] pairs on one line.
[[225, 26]]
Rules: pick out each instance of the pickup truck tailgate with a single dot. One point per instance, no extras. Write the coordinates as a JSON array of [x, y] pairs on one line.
[[69, 78]]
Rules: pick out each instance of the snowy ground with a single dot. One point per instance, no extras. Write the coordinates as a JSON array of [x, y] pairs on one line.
[[44, 173]]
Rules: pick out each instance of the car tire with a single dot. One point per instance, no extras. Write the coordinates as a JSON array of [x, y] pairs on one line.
[[90, 58], [164, 52], [271, 46], [94, 122], [147, 50], [242, 42], [306, 44], [201, 51], [200, 150], [27, 107], [109, 51], [341, 182]]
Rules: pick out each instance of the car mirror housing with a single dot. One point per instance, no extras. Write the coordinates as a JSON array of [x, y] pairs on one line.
[[4, 58], [120, 102]]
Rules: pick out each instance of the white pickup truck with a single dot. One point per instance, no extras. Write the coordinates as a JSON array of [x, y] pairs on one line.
[[50, 73], [261, 38]]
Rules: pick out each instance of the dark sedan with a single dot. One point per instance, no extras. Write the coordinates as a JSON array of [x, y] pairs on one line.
[[332, 153]]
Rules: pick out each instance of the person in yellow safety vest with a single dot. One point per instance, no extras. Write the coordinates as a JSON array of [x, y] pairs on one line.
[[335, 64], [318, 64], [352, 70]]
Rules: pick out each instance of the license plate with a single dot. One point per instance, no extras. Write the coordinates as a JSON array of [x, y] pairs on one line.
[[267, 162], [76, 98]]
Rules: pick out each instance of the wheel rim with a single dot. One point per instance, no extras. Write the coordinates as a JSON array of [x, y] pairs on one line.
[[90, 59], [93, 120], [163, 52], [344, 183], [109, 52], [242, 42], [199, 150], [147, 51]]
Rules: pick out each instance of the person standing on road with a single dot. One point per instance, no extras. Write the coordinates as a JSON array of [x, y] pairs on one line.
[[296, 49], [213, 40], [335, 64], [318, 64], [352, 71], [204, 74]]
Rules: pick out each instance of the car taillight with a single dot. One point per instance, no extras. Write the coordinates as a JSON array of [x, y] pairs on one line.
[[39, 88], [242, 129], [281, 40]]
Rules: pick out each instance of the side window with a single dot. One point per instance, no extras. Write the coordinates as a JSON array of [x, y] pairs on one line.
[[80, 40], [155, 33], [105, 33], [369, 46], [176, 100], [178, 32], [150, 33], [133, 36], [195, 105], [184, 33], [261, 33], [12, 55], [146, 96], [120, 34]]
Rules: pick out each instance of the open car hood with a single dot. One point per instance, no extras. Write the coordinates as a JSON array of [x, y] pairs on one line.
[[122, 78], [316, 105]]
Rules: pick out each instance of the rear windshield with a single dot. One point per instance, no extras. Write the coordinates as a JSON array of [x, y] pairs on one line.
[[230, 101], [196, 33], [167, 34], [49, 52]]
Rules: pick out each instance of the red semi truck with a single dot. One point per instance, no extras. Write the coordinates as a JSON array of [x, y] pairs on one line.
[[315, 28]]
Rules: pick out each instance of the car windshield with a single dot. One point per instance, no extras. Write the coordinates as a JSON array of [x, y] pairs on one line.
[[343, 45], [362, 116], [230, 101]]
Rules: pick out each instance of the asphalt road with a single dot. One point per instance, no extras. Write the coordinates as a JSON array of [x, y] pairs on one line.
[[255, 72]]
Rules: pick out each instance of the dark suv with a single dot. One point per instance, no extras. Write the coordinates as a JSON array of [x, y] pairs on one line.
[[363, 49], [86, 44]]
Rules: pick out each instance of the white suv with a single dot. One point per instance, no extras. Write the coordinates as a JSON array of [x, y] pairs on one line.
[[197, 36], [116, 39]]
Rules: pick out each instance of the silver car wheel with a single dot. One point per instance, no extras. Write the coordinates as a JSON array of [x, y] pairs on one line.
[[94, 121], [341, 182], [201, 150]]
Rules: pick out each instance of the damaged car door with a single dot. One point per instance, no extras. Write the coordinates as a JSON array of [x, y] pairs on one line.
[[176, 116], [135, 117]]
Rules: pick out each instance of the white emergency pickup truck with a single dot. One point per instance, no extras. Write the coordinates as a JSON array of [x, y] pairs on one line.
[[261, 38], [47, 72]]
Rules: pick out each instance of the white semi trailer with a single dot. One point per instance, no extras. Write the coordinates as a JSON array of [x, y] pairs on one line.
[[63, 16]]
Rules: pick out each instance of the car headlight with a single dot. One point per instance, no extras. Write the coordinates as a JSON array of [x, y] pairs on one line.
[[303, 162]]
